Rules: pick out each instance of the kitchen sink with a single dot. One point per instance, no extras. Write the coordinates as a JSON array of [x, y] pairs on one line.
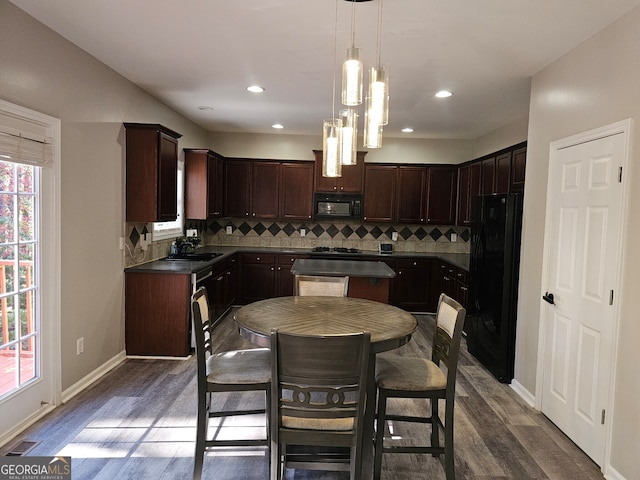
[[204, 256]]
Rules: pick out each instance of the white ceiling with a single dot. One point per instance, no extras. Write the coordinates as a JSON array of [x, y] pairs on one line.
[[198, 53]]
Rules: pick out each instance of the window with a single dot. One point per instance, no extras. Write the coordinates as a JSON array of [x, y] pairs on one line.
[[164, 230], [19, 329]]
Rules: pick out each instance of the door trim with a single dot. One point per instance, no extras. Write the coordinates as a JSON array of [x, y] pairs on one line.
[[623, 127]]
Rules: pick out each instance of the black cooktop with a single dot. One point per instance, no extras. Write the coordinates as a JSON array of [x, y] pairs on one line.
[[335, 249]]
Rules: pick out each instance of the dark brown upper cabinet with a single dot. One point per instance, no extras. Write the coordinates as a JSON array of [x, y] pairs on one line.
[[265, 189], [296, 190], [269, 189], [237, 188], [518, 163], [351, 180], [488, 166], [203, 184], [151, 173], [441, 195], [411, 194], [380, 193]]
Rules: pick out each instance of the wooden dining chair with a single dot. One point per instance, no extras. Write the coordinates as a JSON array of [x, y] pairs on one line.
[[318, 398], [317, 285], [229, 371], [407, 377]]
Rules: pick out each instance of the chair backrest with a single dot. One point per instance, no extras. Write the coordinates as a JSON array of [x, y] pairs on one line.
[[446, 341], [316, 285], [319, 382], [201, 327]]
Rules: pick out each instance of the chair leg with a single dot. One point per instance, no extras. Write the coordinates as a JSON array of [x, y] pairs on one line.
[[435, 438], [379, 441], [201, 436], [449, 466]]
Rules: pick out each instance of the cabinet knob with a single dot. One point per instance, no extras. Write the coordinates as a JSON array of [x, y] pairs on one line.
[[415, 264], [272, 269], [258, 258], [254, 214]]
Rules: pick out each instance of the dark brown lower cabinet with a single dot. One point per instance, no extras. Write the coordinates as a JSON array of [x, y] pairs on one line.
[[157, 314], [413, 284], [453, 281]]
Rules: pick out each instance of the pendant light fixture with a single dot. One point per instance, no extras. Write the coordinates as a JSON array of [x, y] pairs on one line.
[[377, 101], [349, 136], [332, 128], [352, 68]]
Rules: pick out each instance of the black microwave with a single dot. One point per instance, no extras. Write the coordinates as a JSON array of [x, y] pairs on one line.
[[337, 205]]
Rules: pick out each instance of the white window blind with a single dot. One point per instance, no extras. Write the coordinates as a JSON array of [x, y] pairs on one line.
[[23, 143]]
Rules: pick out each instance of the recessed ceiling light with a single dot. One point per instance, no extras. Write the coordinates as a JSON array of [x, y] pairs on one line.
[[277, 125], [407, 130], [255, 89], [444, 94], [205, 107]]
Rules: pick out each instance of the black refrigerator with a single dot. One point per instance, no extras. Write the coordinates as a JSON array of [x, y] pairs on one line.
[[496, 224]]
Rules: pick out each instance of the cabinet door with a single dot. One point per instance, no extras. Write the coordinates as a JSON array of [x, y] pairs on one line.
[[215, 185], [352, 176], [488, 176], [412, 284], [196, 178], [518, 168], [265, 189], [462, 216], [296, 191], [237, 192], [323, 184], [380, 193], [167, 178], [350, 182], [441, 193], [284, 278], [411, 187], [502, 182]]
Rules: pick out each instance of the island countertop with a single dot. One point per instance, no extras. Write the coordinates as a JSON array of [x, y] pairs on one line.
[[350, 268]]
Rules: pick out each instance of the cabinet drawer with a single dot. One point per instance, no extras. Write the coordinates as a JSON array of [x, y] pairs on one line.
[[289, 259], [414, 262], [259, 258], [462, 276]]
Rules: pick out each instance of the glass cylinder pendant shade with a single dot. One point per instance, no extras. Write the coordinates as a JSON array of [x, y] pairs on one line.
[[379, 94], [331, 133], [349, 136], [372, 127], [352, 78]]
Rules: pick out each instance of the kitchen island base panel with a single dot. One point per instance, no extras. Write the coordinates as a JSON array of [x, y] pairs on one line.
[[376, 289]]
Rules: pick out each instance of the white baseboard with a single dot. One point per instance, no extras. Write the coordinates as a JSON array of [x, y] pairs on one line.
[[612, 474], [523, 393], [69, 393], [9, 435], [98, 373]]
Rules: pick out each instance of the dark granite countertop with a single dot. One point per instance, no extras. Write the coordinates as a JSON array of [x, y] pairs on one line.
[[460, 260], [350, 268]]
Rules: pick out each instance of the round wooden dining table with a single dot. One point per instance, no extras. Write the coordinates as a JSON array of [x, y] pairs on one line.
[[390, 328]]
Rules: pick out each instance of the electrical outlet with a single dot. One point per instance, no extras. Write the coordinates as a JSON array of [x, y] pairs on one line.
[[229, 229], [80, 346], [303, 232], [394, 236], [454, 237], [121, 243]]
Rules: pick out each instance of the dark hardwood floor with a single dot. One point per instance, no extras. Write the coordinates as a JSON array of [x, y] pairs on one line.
[[138, 422]]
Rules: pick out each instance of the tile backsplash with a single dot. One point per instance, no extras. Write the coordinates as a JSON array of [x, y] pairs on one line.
[[265, 233]]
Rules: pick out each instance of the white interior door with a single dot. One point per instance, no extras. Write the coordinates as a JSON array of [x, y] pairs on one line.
[[583, 245]]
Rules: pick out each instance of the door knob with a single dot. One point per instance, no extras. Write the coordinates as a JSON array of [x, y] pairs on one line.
[[548, 297]]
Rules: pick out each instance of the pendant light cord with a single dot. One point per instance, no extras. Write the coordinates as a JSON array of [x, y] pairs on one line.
[[335, 56], [379, 30], [353, 23]]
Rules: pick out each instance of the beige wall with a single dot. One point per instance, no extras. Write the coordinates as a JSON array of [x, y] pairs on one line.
[[300, 147], [42, 71], [594, 85]]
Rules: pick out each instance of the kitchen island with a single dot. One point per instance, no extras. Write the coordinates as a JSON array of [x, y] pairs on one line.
[[368, 280]]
